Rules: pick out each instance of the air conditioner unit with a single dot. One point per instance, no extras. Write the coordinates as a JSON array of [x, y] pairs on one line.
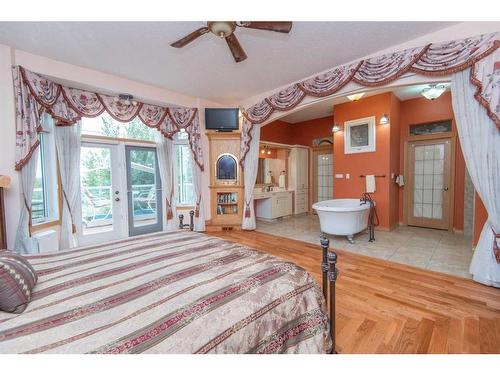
[[46, 241]]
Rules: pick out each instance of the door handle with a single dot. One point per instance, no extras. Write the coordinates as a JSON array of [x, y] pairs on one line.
[[117, 199], [117, 192], [445, 189]]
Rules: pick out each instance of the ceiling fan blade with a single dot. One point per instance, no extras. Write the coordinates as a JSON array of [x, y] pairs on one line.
[[278, 26], [235, 47], [190, 37]]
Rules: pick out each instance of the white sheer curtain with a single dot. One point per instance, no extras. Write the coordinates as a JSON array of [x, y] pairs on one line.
[[480, 141], [24, 243], [68, 145], [250, 175], [199, 217], [165, 148]]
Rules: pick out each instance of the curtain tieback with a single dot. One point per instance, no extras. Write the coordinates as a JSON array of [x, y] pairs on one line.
[[197, 207], [170, 214], [248, 211], [496, 249], [73, 226], [28, 207]]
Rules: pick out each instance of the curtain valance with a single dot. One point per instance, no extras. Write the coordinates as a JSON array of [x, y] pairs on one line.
[[432, 60], [35, 94]]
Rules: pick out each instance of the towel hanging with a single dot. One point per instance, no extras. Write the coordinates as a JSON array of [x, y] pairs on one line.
[[370, 183]]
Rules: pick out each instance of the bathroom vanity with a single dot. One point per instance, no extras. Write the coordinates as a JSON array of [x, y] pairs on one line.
[[273, 204]]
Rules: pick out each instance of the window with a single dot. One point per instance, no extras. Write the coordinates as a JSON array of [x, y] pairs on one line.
[[105, 125], [431, 128], [45, 199], [183, 170]]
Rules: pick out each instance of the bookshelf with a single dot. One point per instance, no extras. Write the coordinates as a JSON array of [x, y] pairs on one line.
[[226, 181]]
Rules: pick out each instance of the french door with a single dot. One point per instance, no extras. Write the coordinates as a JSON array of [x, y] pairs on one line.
[[322, 170], [429, 174], [143, 191], [120, 192]]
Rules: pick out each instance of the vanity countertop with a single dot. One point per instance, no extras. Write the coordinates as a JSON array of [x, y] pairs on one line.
[[258, 194]]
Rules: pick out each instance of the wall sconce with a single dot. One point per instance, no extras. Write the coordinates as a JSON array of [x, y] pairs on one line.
[[336, 128], [384, 120]]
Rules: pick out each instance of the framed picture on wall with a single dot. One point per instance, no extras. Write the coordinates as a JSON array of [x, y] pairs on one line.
[[359, 135]]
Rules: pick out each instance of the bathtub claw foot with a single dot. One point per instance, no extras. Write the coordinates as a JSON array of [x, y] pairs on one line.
[[350, 239]]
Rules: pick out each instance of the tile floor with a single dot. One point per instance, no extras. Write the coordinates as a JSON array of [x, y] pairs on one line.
[[431, 249]]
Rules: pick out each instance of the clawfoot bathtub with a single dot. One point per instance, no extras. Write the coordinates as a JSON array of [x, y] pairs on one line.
[[342, 217]]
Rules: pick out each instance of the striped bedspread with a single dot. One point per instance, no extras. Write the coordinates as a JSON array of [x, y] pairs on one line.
[[177, 292]]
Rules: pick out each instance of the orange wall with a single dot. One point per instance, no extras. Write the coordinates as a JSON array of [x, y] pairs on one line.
[[378, 162], [421, 110], [277, 131], [301, 133]]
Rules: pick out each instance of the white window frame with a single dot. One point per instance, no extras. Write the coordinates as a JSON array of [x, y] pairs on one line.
[[177, 143], [48, 159]]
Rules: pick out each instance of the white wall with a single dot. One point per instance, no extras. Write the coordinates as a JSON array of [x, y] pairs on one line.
[[82, 78]]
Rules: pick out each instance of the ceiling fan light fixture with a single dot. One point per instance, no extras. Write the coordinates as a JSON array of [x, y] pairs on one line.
[[433, 91], [222, 28], [355, 97]]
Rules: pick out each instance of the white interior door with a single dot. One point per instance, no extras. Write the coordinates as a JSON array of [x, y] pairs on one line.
[[103, 214]]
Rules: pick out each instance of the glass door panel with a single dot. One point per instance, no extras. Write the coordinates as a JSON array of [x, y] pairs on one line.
[[143, 190], [322, 173], [429, 183], [100, 203]]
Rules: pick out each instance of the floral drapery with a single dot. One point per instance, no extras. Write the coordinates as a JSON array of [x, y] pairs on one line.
[[35, 94], [432, 60]]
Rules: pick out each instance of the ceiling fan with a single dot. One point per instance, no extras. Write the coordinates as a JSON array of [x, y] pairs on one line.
[[225, 30]]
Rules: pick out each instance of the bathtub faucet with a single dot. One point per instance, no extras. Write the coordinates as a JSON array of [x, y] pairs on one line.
[[365, 198]]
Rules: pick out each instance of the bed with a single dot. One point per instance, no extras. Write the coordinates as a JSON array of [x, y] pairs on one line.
[[176, 292]]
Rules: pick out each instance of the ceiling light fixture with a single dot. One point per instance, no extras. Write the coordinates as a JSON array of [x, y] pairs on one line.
[[355, 97], [336, 128], [433, 91], [222, 28], [384, 120]]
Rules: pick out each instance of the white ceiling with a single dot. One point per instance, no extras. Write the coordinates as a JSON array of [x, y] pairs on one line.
[[325, 108], [205, 68]]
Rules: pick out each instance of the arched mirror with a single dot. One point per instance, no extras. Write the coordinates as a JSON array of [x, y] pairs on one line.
[[226, 167]]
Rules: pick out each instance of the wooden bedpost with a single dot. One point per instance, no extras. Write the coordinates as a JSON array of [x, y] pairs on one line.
[[191, 220], [332, 276], [325, 243]]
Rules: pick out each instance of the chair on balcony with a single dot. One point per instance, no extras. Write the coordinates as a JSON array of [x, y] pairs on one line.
[[146, 199], [97, 204]]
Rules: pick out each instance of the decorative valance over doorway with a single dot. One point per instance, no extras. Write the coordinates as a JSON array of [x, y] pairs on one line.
[[436, 59], [35, 94]]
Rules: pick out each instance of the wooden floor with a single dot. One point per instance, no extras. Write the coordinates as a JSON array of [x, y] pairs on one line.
[[386, 307]]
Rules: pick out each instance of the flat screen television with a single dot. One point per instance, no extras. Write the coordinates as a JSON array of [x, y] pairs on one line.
[[222, 119]]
